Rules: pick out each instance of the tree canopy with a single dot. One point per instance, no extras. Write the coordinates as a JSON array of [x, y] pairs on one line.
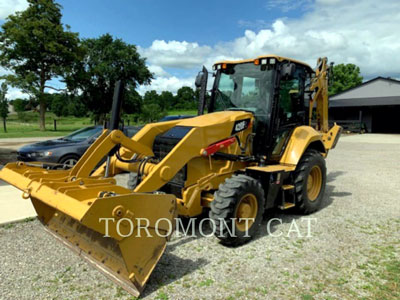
[[345, 76], [36, 47], [107, 60]]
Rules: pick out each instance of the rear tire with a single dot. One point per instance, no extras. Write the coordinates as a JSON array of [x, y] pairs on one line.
[[310, 181], [238, 197]]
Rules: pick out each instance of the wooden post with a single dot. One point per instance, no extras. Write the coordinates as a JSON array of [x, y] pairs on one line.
[[55, 125], [360, 119], [129, 122], [4, 124]]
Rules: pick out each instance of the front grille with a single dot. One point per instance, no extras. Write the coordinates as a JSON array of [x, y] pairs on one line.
[[163, 144], [21, 154]]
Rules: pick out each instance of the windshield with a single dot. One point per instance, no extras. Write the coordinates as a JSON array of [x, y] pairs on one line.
[[244, 87], [83, 134]]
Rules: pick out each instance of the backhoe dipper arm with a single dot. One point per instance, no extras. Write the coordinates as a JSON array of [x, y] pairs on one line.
[[319, 85]]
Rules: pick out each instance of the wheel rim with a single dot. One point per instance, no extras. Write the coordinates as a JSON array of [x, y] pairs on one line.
[[69, 163], [246, 209], [314, 183]]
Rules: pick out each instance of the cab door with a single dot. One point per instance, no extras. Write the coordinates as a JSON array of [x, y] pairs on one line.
[[290, 110]]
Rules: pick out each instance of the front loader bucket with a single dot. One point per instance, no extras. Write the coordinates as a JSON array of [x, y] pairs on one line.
[[94, 217]]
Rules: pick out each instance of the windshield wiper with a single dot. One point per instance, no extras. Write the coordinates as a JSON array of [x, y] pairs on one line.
[[223, 98]]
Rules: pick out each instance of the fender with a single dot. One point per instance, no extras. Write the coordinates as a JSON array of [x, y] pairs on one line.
[[301, 138]]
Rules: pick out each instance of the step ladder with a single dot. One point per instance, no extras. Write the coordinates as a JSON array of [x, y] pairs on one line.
[[287, 203]]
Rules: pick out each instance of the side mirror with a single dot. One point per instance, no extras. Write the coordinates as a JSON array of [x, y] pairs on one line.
[[287, 70], [199, 79], [201, 85]]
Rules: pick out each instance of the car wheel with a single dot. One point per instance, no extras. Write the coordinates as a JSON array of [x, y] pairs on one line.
[[69, 161]]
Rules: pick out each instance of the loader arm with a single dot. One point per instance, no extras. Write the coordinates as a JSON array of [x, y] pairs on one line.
[[96, 218]]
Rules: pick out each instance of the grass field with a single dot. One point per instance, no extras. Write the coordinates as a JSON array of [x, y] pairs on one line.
[[65, 125]]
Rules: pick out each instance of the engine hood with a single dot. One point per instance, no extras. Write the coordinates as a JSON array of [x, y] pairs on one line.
[[216, 118]]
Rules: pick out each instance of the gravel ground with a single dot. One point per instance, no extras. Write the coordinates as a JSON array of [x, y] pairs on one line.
[[354, 250]]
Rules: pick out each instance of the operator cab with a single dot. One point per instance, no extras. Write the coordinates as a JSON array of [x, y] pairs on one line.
[[273, 89]]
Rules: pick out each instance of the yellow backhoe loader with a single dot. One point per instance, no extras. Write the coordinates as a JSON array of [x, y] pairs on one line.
[[260, 145]]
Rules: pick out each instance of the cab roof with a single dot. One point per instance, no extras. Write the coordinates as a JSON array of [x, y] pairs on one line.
[[277, 57]]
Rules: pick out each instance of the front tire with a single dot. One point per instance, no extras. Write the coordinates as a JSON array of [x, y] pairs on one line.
[[310, 182], [237, 209]]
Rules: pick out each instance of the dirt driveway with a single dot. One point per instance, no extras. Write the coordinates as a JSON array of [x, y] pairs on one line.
[[351, 252]]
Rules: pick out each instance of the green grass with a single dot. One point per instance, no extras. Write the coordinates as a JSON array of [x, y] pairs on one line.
[[207, 282], [182, 112], [30, 126], [385, 283], [65, 125]]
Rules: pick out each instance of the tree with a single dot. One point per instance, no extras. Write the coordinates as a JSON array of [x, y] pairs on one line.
[[166, 100], [59, 104], [151, 112], [186, 98], [35, 46], [63, 105], [151, 97], [107, 60], [4, 104], [345, 76], [132, 102], [20, 104]]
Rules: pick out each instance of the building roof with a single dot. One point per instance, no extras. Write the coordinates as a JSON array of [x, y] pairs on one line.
[[375, 92], [372, 101]]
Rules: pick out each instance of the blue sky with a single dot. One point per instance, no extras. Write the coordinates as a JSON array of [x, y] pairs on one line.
[[143, 21], [177, 37]]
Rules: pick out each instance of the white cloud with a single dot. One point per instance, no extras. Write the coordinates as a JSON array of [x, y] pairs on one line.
[[8, 7], [360, 32], [172, 84], [14, 93], [158, 71], [175, 54]]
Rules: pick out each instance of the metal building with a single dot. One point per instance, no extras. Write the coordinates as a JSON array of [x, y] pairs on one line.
[[375, 104]]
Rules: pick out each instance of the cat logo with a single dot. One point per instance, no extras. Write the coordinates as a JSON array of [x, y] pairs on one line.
[[240, 125]]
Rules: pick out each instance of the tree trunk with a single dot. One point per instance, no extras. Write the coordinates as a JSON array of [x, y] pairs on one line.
[[42, 101], [4, 124], [101, 119], [42, 114]]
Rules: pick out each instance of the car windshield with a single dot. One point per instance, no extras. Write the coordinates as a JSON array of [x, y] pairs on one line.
[[83, 134], [244, 87]]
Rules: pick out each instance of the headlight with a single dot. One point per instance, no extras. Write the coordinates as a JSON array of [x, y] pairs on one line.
[[40, 154], [48, 153]]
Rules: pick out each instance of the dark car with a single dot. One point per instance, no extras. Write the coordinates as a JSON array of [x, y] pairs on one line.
[[66, 150], [175, 117]]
